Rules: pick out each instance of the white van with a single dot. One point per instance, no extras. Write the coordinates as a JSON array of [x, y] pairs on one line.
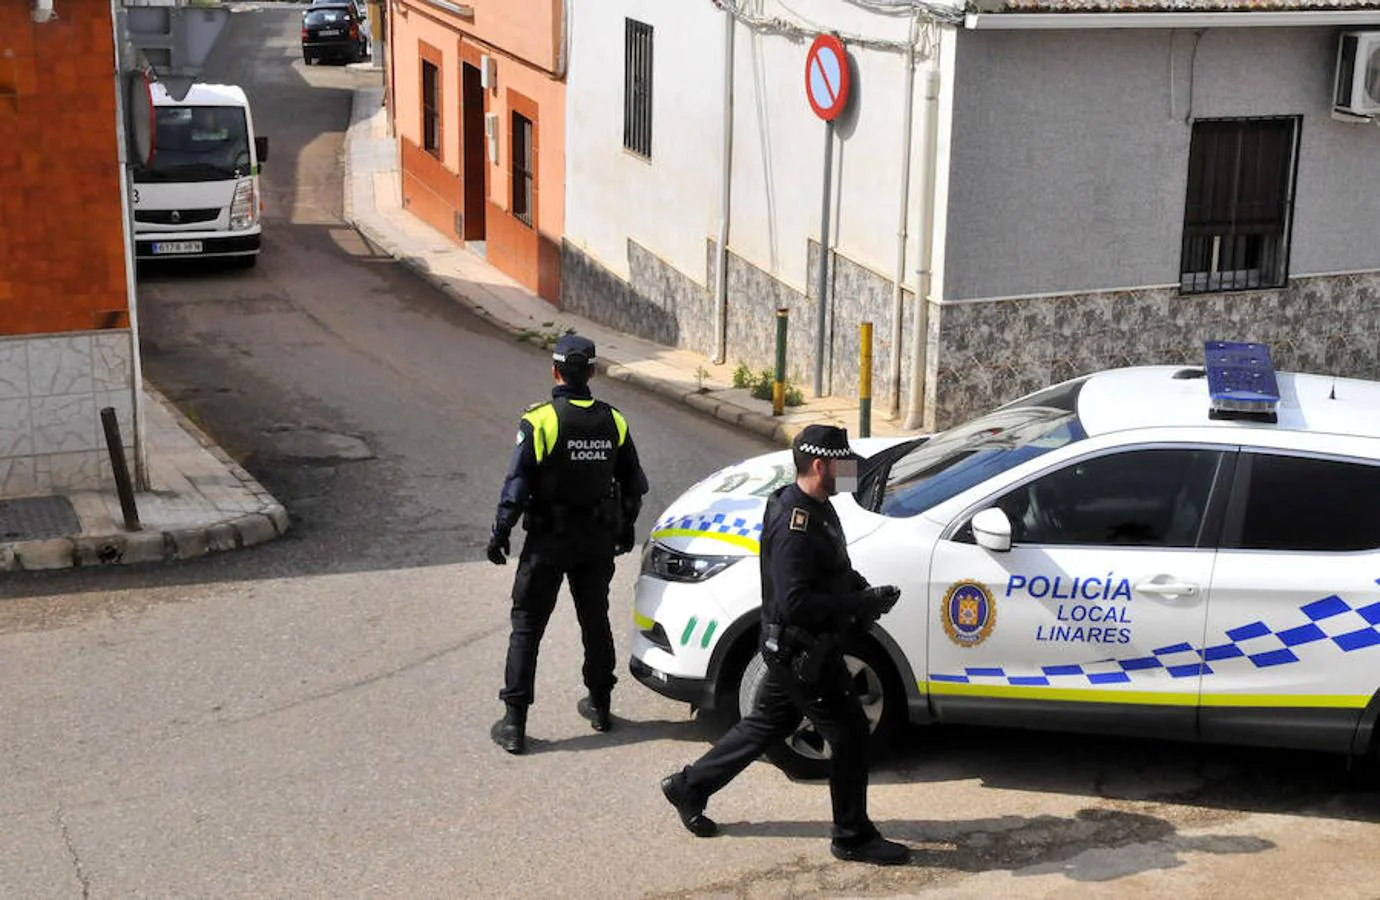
[[198, 194]]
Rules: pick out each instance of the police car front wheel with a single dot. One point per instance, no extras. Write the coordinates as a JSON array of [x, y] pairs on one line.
[[804, 753]]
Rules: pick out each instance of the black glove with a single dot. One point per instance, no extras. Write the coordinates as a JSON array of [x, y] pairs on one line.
[[498, 550], [877, 601], [627, 539]]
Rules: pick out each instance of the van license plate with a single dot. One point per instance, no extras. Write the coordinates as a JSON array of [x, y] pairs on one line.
[[169, 247]]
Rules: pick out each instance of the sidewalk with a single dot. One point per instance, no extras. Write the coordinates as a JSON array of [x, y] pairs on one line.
[[202, 501]]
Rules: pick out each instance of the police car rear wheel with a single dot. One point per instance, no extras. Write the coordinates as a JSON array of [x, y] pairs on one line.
[[804, 753]]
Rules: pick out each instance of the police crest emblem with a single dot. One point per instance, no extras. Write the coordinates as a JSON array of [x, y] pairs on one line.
[[968, 613]]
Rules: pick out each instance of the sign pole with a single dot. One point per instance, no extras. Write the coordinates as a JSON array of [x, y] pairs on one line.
[[826, 87], [822, 272]]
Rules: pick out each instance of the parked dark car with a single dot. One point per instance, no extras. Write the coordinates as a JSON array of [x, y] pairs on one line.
[[334, 31]]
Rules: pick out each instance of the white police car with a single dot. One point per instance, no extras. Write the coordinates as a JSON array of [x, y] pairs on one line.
[[1174, 551]]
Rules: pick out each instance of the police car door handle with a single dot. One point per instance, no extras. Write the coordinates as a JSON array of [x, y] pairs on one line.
[[1166, 588]]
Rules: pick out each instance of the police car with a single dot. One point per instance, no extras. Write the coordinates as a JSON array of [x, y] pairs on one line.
[[1177, 551]]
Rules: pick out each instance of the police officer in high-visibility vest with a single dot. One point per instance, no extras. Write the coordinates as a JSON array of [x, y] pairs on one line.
[[811, 597], [576, 484]]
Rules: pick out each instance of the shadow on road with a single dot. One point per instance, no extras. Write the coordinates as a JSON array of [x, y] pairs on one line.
[[1038, 845]]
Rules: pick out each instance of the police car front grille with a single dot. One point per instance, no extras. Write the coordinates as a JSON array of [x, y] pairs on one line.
[[176, 216]]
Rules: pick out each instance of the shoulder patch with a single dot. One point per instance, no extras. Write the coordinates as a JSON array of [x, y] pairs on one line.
[[518, 441], [800, 519], [537, 405]]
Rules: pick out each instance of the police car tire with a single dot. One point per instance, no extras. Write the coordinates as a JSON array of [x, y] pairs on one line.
[[789, 755]]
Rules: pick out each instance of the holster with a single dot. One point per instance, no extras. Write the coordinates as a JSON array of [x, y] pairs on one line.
[[802, 652]]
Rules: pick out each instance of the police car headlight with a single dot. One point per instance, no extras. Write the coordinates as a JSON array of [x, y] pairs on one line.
[[662, 562]]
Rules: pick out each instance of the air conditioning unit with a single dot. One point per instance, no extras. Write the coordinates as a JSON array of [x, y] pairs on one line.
[[1356, 92], [491, 132]]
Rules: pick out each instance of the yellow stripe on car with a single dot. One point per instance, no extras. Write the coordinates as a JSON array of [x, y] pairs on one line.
[[736, 540], [1145, 698]]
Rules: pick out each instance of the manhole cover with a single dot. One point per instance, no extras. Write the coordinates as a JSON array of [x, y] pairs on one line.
[[37, 518]]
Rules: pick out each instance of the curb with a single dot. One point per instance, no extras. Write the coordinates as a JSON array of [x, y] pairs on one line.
[[134, 547]]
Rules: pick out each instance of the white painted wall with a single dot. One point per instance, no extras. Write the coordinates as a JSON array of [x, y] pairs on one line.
[[668, 203], [671, 204]]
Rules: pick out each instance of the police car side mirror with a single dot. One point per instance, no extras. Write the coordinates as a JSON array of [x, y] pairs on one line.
[[992, 530]]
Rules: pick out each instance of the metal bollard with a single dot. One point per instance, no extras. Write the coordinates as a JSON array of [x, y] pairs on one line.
[[778, 387], [865, 382], [116, 448]]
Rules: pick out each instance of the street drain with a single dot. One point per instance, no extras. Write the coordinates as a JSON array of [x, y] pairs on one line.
[[37, 518]]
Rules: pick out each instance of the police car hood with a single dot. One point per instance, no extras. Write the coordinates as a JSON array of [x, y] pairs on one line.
[[722, 515]]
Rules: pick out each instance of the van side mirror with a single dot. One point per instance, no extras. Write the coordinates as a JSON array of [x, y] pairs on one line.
[[261, 148], [992, 530]]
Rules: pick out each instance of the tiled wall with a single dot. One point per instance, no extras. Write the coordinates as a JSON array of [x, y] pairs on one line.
[[52, 389], [662, 304], [991, 352], [984, 353]]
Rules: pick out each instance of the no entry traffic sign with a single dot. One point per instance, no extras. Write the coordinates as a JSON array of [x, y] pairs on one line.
[[826, 77]]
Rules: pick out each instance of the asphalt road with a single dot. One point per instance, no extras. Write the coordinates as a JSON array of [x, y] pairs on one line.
[[310, 717]]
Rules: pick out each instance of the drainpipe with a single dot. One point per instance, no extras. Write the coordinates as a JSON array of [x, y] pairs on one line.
[[141, 469], [920, 334], [725, 193], [902, 214], [563, 51]]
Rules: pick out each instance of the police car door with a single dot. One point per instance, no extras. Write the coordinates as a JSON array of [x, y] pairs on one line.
[[1293, 638], [1093, 618]]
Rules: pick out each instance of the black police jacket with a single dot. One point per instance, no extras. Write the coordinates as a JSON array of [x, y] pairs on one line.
[[574, 457], [808, 581]]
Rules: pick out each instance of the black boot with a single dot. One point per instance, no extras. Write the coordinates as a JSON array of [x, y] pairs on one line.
[[689, 806], [510, 732], [878, 851], [595, 707]]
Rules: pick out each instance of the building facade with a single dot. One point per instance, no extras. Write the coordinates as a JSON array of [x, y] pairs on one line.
[[732, 154], [1065, 186], [478, 107], [66, 349]]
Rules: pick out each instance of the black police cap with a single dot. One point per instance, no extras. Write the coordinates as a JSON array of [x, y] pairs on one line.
[[824, 442], [571, 349]]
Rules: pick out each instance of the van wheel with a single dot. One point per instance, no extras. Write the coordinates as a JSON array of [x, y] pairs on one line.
[[805, 754]]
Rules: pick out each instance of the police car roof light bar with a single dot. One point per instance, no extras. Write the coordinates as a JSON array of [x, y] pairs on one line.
[[1241, 381]]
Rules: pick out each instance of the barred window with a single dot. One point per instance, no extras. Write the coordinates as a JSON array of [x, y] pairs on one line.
[[431, 109], [637, 87], [522, 169], [1239, 209]]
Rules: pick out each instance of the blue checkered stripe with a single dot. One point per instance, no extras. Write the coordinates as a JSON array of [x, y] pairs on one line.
[[719, 523], [1330, 621]]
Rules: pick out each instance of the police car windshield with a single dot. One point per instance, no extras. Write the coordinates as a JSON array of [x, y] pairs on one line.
[[955, 460]]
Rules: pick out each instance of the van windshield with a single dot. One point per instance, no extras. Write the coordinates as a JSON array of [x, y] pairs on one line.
[[197, 143]]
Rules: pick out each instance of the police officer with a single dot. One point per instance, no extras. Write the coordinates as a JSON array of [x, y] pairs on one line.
[[577, 486], [811, 596]]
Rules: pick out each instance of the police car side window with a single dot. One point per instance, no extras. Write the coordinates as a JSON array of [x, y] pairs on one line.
[[1153, 497], [1304, 503]]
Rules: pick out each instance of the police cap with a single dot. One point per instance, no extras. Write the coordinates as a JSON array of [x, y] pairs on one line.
[[573, 350], [824, 442]]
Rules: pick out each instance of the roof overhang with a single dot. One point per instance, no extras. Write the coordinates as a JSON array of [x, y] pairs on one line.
[[1058, 21]]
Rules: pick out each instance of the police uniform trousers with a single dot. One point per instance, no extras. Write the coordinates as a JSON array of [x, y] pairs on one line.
[[585, 557], [833, 707]]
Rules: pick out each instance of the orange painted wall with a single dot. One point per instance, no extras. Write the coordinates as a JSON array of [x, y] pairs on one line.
[[62, 256], [522, 37]]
